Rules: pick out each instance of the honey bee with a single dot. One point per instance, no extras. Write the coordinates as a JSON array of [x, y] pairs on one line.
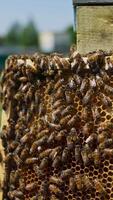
[[38, 172], [105, 100], [65, 63], [11, 83], [59, 93], [37, 98], [30, 65], [32, 160], [49, 88], [12, 177], [42, 109], [68, 97], [87, 97], [23, 79], [29, 95], [9, 74], [25, 87], [58, 103], [74, 120], [20, 62], [86, 113], [72, 84], [36, 144], [87, 183], [55, 152], [105, 76], [65, 174], [18, 96], [42, 133], [12, 187], [36, 197], [65, 119], [44, 163], [65, 154], [12, 146], [78, 181], [109, 126], [96, 114], [78, 79], [54, 126], [8, 158], [71, 140], [99, 82], [53, 197], [91, 140], [31, 186], [87, 128], [72, 184], [73, 133], [44, 189], [55, 117], [21, 184], [85, 153], [19, 148], [96, 157], [45, 153], [57, 113], [55, 190], [102, 136], [15, 194], [26, 138], [17, 174], [61, 135], [78, 153], [56, 162], [40, 196], [51, 138], [24, 153], [92, 82], [84, 85], [17, 160], [67, 110], [108, 143], [99, 187], [56, 181], [108, 89], [108, 152]]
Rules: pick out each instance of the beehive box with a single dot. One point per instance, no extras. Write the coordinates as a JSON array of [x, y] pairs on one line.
[[94, 25], [59, 138]]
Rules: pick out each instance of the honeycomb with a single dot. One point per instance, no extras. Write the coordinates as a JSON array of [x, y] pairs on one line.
[[59, 138]]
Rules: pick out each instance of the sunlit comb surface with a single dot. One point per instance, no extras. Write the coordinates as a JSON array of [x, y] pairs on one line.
[[59, 138]]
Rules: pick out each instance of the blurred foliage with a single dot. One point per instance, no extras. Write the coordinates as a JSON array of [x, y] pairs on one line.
[[13, 35], [29, 35], [19, 35], [72, 34], [2, 40]]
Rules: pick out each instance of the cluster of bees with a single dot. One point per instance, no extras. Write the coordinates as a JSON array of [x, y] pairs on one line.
[[59, 134]]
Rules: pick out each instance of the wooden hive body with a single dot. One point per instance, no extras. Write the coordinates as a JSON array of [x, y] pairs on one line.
[[94, 25]]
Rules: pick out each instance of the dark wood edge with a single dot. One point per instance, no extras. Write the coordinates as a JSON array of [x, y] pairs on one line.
[[95, 3]]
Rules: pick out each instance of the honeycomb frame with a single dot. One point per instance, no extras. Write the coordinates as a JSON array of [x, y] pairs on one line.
[[59, 139]]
